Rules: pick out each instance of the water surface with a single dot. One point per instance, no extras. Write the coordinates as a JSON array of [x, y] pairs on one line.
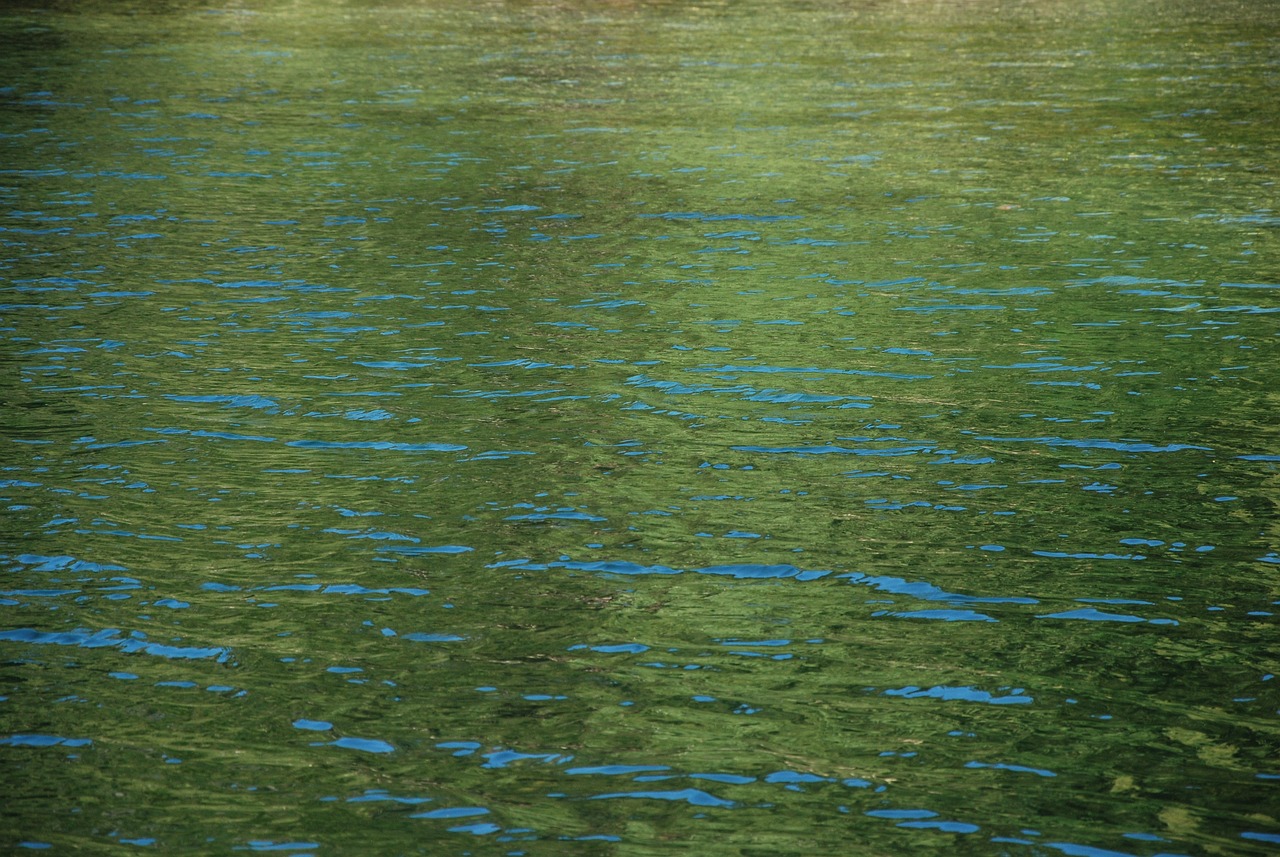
[[634, 428]]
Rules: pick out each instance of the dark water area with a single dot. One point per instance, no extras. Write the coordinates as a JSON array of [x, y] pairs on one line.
[[625, 428]]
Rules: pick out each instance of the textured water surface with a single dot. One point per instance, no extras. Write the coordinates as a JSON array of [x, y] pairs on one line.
[[635, 428]]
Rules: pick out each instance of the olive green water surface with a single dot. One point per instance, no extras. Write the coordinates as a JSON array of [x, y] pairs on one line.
[[623, 428]]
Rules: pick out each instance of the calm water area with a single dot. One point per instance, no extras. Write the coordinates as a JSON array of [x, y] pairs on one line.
[[592, 427]]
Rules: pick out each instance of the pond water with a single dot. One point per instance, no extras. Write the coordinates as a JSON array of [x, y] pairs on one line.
[[623, 428]]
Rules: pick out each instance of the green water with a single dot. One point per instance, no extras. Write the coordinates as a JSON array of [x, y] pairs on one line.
[[631, 428]]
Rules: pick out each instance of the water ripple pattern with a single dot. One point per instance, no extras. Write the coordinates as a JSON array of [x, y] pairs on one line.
[[640, 427]]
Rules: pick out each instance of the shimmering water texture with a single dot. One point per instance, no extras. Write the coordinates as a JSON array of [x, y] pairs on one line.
[[629, 428]]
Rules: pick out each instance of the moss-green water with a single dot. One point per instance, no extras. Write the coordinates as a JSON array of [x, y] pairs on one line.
[[628, 428]]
